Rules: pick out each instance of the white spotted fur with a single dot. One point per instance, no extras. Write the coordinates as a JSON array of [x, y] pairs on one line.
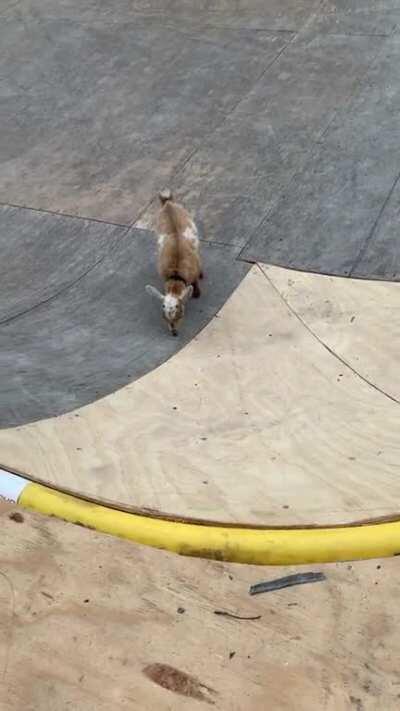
[[191, 234], [179, 261]]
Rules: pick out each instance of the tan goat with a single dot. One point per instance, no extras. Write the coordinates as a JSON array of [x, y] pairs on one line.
[[179, 263]]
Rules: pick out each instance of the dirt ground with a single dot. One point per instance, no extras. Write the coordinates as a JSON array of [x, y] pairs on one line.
[[91, 622]]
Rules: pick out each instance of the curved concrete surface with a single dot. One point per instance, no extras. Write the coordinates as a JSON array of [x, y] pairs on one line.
[[75, 320], [42, 255], [277, 121], [256, 421]]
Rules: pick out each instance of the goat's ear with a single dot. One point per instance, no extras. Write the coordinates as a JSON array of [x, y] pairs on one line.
[[187, 294], [154, 292]]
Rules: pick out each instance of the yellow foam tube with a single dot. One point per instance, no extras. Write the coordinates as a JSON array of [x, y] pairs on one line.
[[237, 545]]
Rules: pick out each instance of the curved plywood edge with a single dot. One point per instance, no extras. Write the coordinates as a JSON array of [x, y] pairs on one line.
[[358, 320], [255, 421]]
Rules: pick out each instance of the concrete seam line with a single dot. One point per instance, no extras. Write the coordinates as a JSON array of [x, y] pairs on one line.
[[236, 545]]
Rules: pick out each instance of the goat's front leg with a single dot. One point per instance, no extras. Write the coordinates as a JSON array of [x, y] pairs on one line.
[[196, 290]]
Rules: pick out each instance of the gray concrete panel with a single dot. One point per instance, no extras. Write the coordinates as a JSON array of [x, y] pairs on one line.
[[96, 116], [98, 333], [42, 254], [243, 168], [331, 210]]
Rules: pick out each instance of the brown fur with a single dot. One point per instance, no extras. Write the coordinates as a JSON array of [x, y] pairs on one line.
[[178, 256], [179, 263]]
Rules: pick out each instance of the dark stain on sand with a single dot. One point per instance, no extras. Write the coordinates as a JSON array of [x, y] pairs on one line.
[[179, 682]]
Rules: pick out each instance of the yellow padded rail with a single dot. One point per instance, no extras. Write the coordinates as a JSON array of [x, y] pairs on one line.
[[238, 545]]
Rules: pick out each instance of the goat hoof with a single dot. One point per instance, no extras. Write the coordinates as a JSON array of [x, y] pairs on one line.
[[174, 333]]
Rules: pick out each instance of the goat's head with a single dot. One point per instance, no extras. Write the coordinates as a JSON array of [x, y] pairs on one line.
[[173, 305]]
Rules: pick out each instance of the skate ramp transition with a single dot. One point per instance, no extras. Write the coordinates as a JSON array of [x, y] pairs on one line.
[[282, 411], [276, 409]]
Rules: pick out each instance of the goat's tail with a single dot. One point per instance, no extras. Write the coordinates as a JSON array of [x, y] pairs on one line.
[[165, 196]]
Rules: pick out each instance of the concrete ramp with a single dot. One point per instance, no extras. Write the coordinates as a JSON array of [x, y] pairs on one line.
[[75, 320]]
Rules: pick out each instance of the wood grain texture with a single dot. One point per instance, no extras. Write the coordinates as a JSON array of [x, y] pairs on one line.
[[255, 421], [359, 321], [91, 622]]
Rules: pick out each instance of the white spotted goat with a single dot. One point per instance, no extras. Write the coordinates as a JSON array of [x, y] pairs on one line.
[[179, 263]]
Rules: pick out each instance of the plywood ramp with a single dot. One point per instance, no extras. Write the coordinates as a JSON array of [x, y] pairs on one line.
[[257, 420], [358, 320], [93, 623]]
